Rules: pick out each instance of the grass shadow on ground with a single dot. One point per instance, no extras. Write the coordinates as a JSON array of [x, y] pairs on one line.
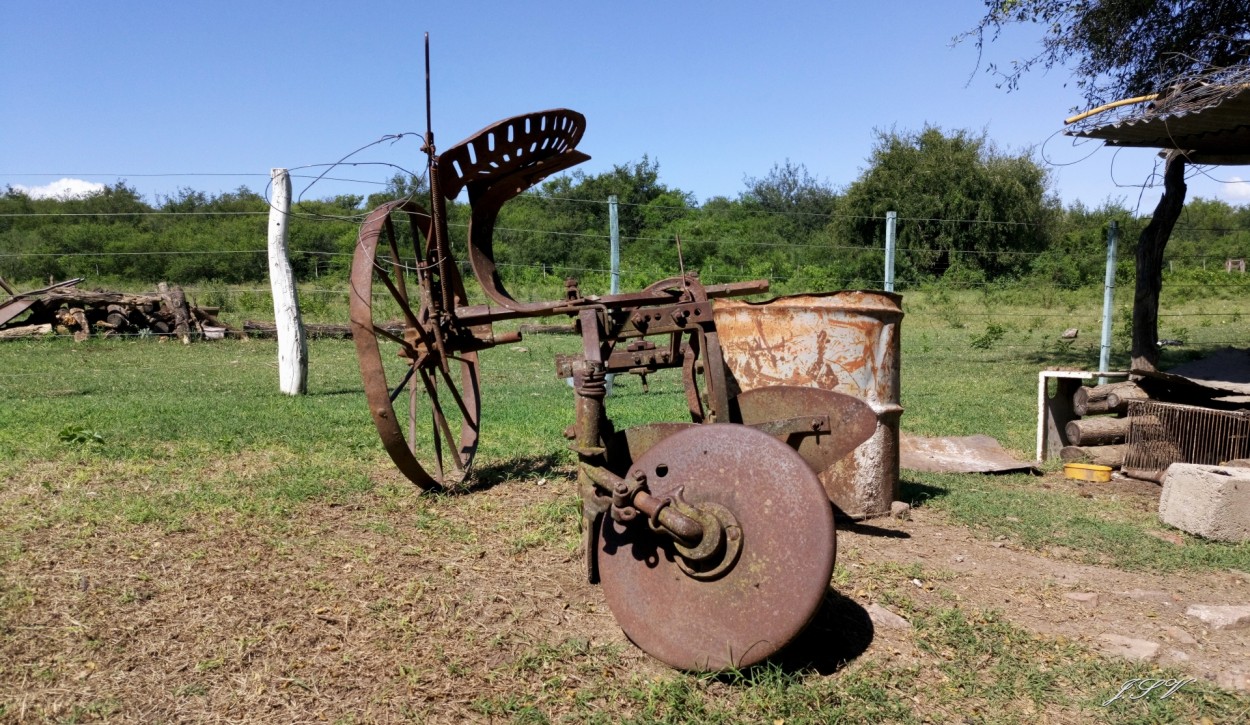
[[485, 477], [916, 493], [840, 631], [337, 391], [867, 529]]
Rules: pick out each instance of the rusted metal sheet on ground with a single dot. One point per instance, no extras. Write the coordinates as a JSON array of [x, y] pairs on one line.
[[847, 342], [958, 454]]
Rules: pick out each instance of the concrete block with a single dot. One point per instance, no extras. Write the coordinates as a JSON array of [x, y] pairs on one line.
[[1208, 501]]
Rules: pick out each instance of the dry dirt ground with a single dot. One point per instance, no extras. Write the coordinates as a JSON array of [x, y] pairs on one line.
[[1051, 594], [449, 609]]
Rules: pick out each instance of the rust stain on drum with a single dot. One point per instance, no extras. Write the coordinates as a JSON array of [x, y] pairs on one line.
[[847, 342]]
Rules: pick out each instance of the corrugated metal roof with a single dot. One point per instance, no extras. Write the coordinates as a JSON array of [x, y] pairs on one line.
[[1218, 132]]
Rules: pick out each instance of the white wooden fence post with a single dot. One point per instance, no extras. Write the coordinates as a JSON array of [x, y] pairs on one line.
[[292, 344]]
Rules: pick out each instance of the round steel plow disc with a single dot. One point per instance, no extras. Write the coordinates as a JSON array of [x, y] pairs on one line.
[[767, 596]]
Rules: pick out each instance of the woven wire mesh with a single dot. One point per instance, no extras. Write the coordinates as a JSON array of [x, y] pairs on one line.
[[1160, 434]]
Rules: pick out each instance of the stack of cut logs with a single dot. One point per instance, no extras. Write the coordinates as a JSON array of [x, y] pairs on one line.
[[1100, 434], [66, 309]]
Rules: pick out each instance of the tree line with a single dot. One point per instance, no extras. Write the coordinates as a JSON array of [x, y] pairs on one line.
[[968, 212]]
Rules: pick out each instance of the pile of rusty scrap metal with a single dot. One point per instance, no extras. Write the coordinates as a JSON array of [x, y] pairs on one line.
[[64, 308]]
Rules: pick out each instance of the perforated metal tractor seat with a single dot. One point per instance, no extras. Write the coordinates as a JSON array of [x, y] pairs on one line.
[[495, 165], [524, 149]]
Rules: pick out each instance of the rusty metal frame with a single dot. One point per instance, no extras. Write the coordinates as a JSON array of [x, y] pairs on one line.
[[767, 502], [495, 165]]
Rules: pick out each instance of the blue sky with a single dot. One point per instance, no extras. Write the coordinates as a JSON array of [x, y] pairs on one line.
[[715, 92]]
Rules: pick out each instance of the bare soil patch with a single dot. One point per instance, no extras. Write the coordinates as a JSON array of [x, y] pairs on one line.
[[416, 608], [446, 609], [1052, 593]]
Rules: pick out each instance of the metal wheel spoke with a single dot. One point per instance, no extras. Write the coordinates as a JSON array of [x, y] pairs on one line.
[[400, 388], [440, 420], [413, 396], [382, 331], [438, 444], [401, 298], [402, 288], [455, 394]]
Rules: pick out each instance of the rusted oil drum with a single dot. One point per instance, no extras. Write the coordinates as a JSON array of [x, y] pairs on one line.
[[842, 341]]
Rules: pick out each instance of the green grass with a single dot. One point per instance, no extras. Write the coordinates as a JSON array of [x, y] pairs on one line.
[[174, 422], [141, 434], [953, 386], [1100, 531], [168, 418], [972, 666]]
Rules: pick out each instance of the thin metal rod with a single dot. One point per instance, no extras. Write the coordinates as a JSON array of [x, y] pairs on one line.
[[455, 394], [390, 336], [440, 422], [614, 232], [429, 126], [438, 212], [400, 388], [1108, 296], [438, 446], [399, 297], [891, 224], [412, 419], [388, 228]]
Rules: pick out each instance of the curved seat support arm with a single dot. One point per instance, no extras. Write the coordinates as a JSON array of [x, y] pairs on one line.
[[486, 201]]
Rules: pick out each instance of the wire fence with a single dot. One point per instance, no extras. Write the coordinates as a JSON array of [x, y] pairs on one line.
[[1203, 302]]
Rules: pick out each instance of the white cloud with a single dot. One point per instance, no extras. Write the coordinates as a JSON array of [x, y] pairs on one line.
[[1237, 189], [61, 189]]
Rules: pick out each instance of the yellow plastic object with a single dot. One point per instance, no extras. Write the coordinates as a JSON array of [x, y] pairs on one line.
[[1087, 472]]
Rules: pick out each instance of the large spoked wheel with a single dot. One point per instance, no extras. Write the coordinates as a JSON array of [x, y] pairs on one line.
[[423, 395]]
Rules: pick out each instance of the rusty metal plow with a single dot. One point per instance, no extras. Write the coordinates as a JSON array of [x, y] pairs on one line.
[[713, 539]]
